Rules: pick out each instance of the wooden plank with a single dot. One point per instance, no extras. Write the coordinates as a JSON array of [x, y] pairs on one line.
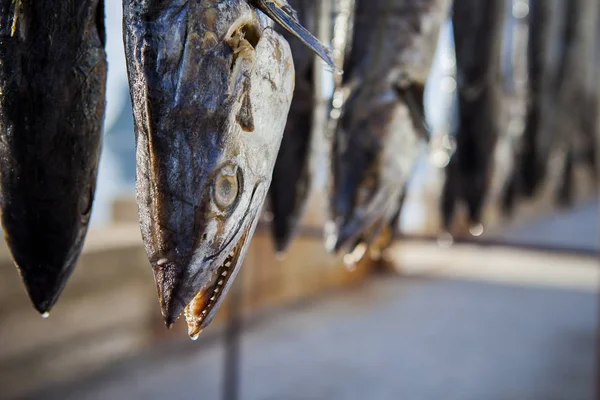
[[25, 332]]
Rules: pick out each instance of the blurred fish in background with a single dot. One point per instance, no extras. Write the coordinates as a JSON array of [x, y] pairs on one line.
[[478, 34], [293, 176], [382, 120]]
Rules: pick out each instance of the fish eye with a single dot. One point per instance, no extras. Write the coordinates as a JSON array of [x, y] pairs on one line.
[[227, 188]]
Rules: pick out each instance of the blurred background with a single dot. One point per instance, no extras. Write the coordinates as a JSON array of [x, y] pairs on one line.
[[510, 314]]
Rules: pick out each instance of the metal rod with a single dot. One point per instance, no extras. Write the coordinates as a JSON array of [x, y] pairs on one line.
[[233, 338]]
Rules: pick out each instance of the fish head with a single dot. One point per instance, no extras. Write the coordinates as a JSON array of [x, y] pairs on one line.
[[375, 146], [214, 91]]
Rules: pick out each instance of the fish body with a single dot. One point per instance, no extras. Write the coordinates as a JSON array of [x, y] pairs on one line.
[[211, 84], [52, 86], [531, 161], [292, 177], [478, 31], [514, 70], [572, 115], [377, 136]]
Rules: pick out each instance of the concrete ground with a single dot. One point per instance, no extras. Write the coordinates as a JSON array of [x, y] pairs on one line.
[[391, 338]]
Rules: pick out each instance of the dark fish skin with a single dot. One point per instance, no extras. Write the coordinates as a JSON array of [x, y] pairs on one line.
[[573, 112], [211, 85], [590, 129], [530, 167], [514, 70], [292, 177], [52, 86], [562, 97], [478, 31], [377, 135]]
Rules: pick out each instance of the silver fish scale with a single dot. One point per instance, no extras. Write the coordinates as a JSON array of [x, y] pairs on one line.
[[393, 37]]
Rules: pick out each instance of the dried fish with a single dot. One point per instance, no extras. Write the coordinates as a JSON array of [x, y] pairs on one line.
[[292, 177], [376, 141], [211, 86], [478, 31], [52, 87]]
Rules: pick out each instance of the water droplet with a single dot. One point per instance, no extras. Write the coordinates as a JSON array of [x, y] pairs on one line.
[[445, 240], [476, 230], [448, 62], [280, 256], [448, 84], [520, 9], [337, 102], [359, 252], [268, 216], [45, 315], [349, 262], [330, 236], [440, 158], [335, 113], [194, 332]]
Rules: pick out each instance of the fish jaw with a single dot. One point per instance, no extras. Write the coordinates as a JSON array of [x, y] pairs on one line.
[[52, 80], [207, 139], [375, 148]]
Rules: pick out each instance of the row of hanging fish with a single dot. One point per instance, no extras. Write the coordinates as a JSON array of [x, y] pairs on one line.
[[563, 61], [211, 83], [478, 30], [224, 106]]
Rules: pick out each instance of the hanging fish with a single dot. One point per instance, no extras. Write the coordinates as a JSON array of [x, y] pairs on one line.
[[515, 91], [478, 31], [532, 155], [292, 176], [52, 87], [211, 86], [376, 141], [572, 116]]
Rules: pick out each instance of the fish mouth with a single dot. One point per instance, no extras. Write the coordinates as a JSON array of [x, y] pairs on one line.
[[362, 226], [201, 310]]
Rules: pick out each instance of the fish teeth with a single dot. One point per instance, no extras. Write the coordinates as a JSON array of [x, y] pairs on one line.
[[222, 272]]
